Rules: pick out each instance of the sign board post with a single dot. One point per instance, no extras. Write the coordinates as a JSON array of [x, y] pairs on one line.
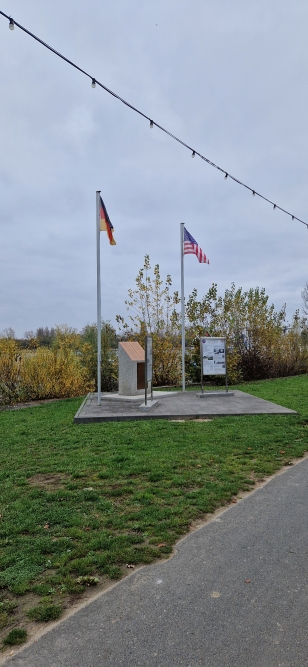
[[213, 354], [148, 368]]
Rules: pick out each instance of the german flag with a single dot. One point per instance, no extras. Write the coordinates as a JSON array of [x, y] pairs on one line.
[[105, 223]]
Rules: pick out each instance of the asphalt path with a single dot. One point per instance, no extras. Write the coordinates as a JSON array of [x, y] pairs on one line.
[[234, 594]]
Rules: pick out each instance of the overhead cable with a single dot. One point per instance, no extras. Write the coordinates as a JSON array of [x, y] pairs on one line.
[[194, 152]]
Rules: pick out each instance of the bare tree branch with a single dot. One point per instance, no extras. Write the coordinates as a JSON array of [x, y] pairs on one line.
[[305, 298]]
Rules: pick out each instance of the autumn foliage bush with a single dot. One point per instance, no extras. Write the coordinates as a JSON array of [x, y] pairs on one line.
[[26, 375]]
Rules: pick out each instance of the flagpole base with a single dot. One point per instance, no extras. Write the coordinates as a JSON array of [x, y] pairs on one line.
[[149, 406]]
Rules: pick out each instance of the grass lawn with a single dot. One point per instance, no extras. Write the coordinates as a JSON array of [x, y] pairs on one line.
[[78, 503]]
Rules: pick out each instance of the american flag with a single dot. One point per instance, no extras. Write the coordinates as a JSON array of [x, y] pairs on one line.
[[191, 248]]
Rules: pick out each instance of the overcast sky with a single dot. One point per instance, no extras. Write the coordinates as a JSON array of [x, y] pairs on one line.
[[229, 78]]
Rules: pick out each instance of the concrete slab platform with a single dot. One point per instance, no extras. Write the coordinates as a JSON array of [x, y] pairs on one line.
[[184, 405]]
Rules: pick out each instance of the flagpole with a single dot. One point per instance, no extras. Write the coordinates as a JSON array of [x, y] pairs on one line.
[[182, 305], [99, 316]]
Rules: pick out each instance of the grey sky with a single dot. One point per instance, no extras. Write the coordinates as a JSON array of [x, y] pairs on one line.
[[228, 78]]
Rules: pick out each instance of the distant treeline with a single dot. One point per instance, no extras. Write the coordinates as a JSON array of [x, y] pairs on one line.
[[260, 343]]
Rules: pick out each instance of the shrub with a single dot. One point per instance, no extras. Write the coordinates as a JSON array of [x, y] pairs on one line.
[[87, 581], [10, 360], [42, 373], [16, 636], [109, 361], [45, 612], [3, 619]]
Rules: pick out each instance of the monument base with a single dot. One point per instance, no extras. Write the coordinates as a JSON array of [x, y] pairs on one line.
[[112, 396], [115, 396]]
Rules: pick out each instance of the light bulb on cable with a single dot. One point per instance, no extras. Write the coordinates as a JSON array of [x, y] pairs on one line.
[[274, 207], [193, 154], [226, 176], [93, 84], [253, 193], [11, 24], [151, 124]]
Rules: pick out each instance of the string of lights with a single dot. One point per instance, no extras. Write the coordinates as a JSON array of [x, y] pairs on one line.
[[194, 152]]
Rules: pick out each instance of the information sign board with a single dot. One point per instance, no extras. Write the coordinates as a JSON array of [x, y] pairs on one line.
[[213, 353]]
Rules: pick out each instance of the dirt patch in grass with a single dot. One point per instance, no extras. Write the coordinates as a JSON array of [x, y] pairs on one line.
[[49, 481], [29, 404]]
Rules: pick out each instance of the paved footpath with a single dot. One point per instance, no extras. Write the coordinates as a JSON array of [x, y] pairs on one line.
[[234, 595]]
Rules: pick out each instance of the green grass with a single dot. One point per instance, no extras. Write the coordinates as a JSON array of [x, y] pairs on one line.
[[83, 501]]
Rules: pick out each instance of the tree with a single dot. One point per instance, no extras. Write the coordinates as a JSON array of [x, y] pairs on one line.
[[260, 344], [45, 336], [292, 355], [153, 309], [305, 298], [252, 327], [30, 341], [8, 333], [65, 338], [29, 335], [88, 351]]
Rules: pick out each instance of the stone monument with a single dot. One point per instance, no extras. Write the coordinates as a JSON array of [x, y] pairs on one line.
[[131, 369]]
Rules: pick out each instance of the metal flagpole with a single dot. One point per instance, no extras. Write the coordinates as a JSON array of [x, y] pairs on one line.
[[99, 316], [182, 306]]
